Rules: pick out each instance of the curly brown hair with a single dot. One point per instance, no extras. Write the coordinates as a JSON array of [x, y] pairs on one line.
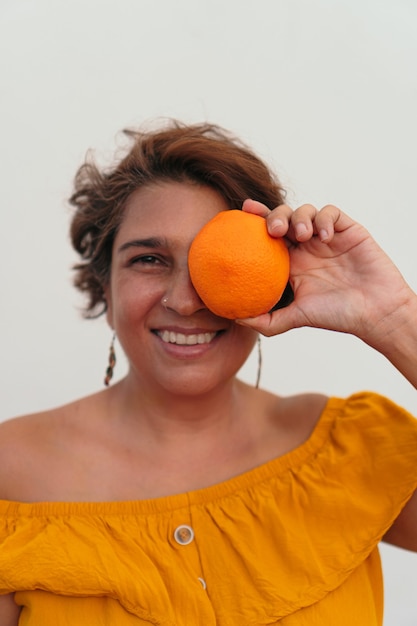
[[201, 153]]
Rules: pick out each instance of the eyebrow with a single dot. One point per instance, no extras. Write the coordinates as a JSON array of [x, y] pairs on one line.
[[150, 242]]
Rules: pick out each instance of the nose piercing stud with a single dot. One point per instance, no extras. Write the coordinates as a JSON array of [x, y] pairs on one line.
[[164, 302]]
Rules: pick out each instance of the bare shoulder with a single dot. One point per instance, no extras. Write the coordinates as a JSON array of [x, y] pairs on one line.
[[29, 444], [26, 432], [295, 417], [19, 429], [288, 421], [24, 441], [302, 410], [18, 434]]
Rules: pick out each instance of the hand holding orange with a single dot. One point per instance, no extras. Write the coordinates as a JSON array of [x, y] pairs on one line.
[[236, 267]]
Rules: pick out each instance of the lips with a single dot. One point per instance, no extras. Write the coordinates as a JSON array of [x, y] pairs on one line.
[[181, 339]]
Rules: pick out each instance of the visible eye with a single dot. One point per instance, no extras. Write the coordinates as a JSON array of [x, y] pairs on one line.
[[146, 260]]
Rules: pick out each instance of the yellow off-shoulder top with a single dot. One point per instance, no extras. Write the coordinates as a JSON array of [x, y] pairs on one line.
[[291, 542]]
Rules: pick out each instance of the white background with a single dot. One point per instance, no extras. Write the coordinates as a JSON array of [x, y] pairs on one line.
[[325, 91]]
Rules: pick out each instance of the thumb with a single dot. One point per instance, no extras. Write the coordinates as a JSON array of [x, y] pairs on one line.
[[270, 324]]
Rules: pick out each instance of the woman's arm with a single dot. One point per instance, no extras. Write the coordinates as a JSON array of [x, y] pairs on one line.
[[397, 339], [9, 611]]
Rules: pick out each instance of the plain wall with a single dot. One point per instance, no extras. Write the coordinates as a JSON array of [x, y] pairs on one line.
[[325, 91]]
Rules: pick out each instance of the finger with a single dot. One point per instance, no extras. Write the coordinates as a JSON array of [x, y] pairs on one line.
[[302, 222], [255, 207], [275, 323], [260, 324], [324, 222], [278, 220], [330, 220]]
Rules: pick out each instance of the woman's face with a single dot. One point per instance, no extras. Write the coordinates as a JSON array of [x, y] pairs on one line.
[[179, 346]]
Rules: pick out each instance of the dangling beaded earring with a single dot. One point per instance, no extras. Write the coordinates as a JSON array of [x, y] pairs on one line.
[[258, 375], [112, 362]]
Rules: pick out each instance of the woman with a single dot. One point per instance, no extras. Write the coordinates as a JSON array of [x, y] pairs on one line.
[[181, 495]]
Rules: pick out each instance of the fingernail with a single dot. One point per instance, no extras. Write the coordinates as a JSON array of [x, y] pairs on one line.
[[323, 234], [300, 229], [277, 224]]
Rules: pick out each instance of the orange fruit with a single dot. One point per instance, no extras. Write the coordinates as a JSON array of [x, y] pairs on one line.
[[236, 267]]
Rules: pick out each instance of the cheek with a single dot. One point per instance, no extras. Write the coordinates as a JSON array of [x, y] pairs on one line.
[[128, 302]]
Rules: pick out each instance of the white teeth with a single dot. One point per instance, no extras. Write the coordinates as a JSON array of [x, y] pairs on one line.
[[168, 336]]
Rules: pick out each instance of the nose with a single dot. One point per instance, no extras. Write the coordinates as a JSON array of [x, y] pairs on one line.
[[180, 295]]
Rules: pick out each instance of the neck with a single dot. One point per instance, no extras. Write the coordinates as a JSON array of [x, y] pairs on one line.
[[163, 415]]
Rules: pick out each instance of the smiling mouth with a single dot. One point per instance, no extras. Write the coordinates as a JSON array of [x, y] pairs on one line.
[[168, 336]]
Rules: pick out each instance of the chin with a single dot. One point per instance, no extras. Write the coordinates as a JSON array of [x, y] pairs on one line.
[[194, 385]]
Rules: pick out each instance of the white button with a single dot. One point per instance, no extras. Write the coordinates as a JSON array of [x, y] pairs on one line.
[[184, 535], [203, 583]]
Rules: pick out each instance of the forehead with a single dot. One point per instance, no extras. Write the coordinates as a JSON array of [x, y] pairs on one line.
[[169, 210]]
